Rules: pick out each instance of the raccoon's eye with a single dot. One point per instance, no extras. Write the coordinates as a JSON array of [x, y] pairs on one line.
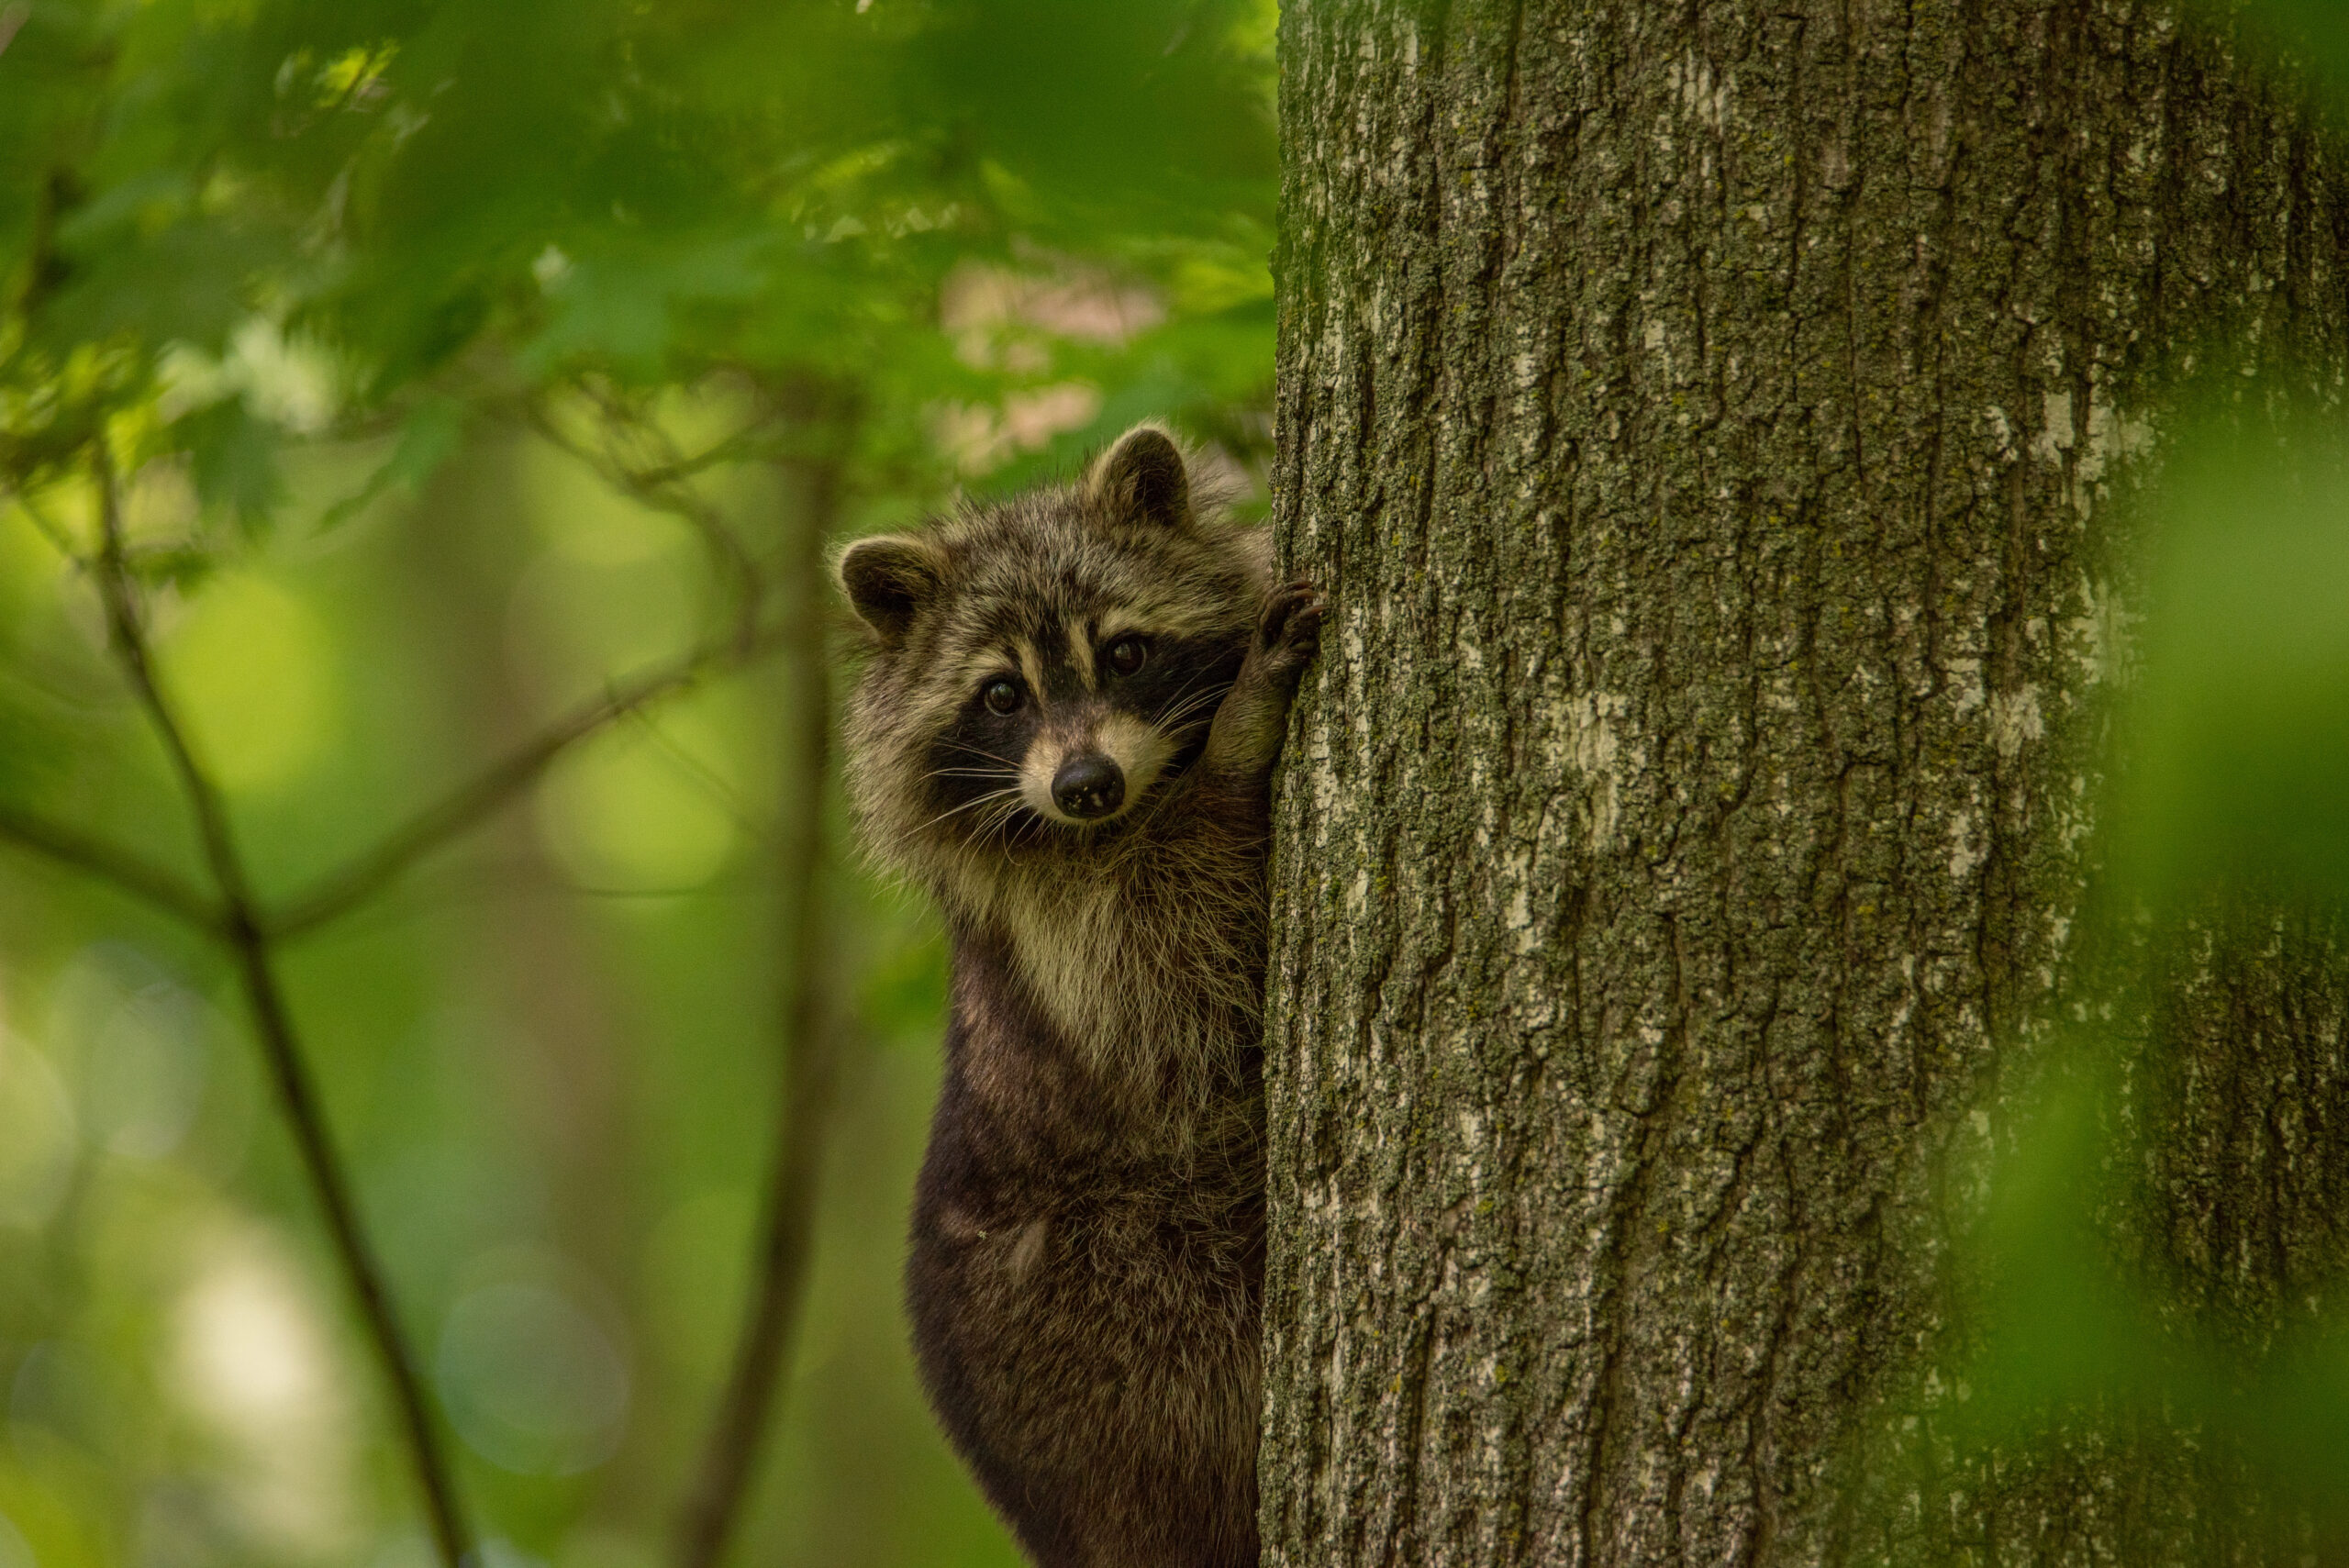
[[1001, 696], [1127, 654]]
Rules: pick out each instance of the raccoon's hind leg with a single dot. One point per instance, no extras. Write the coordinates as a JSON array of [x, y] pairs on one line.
[[1245, 739]]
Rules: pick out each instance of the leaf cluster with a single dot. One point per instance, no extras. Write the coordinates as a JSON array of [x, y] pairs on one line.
[[425, 212]]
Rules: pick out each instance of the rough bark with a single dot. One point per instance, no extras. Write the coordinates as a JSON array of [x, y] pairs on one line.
[[1717, 425]]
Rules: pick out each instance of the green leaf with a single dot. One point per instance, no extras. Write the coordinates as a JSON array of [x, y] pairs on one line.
[[430, 436], [234, 456]]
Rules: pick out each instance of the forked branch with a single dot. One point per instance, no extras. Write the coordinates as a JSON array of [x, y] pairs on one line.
[[371, 872], [241, 928], [121, 868], [661, 485]]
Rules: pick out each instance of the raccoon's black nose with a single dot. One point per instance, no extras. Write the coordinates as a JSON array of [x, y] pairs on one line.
[[1089, 786]]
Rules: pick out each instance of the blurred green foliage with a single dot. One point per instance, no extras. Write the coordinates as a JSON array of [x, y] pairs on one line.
[[2081, 1345], [2076, 1325], [2239, 736], [458, 361], [2311, 35], [2082, 1318]]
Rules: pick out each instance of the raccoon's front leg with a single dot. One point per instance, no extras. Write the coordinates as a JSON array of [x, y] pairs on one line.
[[1245, 739]]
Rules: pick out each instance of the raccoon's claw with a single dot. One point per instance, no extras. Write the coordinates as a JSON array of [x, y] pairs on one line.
[[1290, 632]]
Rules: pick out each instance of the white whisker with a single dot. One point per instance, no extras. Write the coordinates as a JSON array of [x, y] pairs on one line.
[[1178, 717], [980, 800], [977, 752], [1178, 712]]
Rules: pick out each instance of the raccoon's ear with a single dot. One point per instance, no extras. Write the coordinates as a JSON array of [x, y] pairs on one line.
[[1140, 479], [888, 579]]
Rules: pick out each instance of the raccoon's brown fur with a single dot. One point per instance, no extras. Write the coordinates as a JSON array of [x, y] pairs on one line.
[[1086, 1268]]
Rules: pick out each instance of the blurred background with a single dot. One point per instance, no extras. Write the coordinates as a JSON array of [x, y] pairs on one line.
[[456, 399]]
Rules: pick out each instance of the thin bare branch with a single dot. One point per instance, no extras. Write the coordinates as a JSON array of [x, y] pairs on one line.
[[47, 526], [660, 486], [240, 928], [485, 794], [122, 869], [745, 443], [656, 486], [811, 1053], [712, 785]]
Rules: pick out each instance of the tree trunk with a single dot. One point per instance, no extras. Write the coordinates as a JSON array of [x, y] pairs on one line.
[[1715, 425]]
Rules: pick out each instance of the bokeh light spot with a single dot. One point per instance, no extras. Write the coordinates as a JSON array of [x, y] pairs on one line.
[[531, 1382], [144, 1077], [251, 1359], [641, 812], [253, 666], [37, 1135]]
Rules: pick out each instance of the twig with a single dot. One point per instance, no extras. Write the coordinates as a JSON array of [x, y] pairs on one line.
[[743, 443], [368, 873], [811, 1050], [46, 526], [127, 871], [662, 487], [712, 785], [242, 929]]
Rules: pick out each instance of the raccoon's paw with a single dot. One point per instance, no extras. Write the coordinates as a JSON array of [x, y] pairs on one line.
[[1245, 739], [1288, 634]]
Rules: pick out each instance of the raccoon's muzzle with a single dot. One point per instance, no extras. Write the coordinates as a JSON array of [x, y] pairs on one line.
[[1089, 786]]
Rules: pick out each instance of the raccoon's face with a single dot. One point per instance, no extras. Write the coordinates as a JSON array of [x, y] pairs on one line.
[[1046, 668], [1074, 723]]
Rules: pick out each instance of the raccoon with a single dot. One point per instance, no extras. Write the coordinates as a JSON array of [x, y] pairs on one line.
[[1064, 731]]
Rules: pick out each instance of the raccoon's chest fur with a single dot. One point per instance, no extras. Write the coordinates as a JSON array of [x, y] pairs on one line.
[[1153, 987], [1105, 1060]]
